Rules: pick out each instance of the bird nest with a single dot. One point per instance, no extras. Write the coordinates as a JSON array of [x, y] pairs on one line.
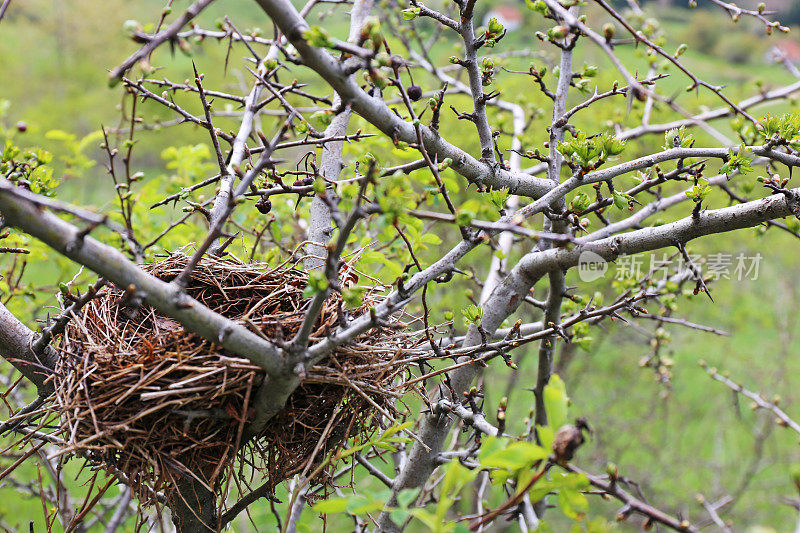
[[143, 397]]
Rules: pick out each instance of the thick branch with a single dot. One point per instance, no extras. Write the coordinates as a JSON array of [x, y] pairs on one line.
[[285, 16], [509, 294], [476, 88], [20, 212], [16, 340], [193, 507], [739, 216], [319, 225]]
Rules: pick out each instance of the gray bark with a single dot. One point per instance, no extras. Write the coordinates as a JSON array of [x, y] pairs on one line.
[[319, 225], [194, 507], [286, 17], [16, 340]]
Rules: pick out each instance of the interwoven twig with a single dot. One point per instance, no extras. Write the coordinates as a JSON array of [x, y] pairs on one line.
[[138, 393]]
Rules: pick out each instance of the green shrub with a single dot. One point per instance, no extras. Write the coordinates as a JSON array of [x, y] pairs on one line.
[[741, 47]]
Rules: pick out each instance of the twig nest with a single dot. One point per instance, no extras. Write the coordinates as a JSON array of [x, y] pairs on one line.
[[138, 394]]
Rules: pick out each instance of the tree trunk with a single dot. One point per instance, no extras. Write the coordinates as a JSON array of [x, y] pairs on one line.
[[193, 506]]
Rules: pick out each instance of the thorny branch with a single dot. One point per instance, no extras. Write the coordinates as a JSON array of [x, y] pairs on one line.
[[522, 255]]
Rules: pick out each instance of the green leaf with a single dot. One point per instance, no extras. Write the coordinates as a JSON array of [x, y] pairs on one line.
[[537, 5], [698, 192], [515, 456], [579, 202], [360, 504], [411, 13], [736, 162], [494, 28], [88, 139], [456, 476], [385, 446], [678, 137], [490, 445], [399, 516], [331, 506], [394, 429], [317, 36], [472, 313], [619, 201], [322, 118], [573, 503], [526, 476], [430, 238], [499, 477], [546, 436], [426, 517], [463, 218], [556, 401], [499, 197]]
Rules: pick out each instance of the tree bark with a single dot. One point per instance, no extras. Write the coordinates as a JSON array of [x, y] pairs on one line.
[[193, 506], [15, 347]]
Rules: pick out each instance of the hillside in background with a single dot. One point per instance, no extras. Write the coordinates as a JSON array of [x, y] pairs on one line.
[[54, 57], [789, 10]]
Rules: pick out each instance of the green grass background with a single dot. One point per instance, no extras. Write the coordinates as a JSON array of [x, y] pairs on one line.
[[676, 441]]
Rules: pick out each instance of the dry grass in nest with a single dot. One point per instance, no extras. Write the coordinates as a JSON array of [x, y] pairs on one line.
[[139, 394]]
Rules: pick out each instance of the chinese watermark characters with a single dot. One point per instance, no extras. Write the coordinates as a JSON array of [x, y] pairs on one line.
[[739, 267]]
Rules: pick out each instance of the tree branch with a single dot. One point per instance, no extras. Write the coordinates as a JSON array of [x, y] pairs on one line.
[[20, 212], [285, 16], [16, 341], [319, 225], [158, 39]]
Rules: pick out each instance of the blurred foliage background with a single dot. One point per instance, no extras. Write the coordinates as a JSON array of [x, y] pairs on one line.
[[676, 437]]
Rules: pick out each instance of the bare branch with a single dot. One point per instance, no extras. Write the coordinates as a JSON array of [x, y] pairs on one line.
[[376, 112], [157, 40]]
